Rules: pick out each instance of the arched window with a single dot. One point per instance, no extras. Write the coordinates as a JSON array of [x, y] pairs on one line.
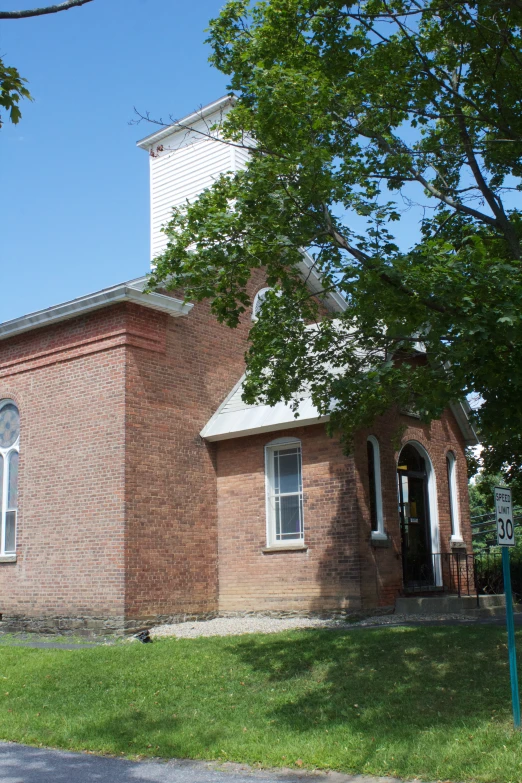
[[284, 490], [451, 465], [258, 301], [9, 446], [374, 481]]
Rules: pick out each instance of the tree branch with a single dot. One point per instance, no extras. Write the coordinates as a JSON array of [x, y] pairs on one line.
[[385, 146], [253, 148], [444, 81], [50, 9], [494, 202], [370, 264]]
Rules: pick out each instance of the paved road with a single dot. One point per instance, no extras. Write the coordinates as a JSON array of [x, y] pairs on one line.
[[21, 764]]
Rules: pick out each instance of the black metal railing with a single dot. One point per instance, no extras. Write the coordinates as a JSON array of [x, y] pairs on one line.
[[484, 529], [488, 557], [445, 572], [488, 573]]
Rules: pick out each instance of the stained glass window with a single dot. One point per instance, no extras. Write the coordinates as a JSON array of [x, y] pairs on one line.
[[9, 425]]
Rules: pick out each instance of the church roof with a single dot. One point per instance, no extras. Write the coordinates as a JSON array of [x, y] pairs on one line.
[[205, 111], [235, 418], [131, 291]]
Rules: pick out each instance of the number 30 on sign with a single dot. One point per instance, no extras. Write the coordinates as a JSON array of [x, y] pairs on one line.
[[504, 517]]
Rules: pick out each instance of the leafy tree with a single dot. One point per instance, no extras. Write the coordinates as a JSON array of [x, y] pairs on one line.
[[481, 492], [12, 89], [12, 85], [357, 111]]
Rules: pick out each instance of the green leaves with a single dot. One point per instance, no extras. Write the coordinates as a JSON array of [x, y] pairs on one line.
[[364, 115], [12, 89]]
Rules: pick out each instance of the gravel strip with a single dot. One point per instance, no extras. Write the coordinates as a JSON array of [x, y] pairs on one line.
[[236, 626]]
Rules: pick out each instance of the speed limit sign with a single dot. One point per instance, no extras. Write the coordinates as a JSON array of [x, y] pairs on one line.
[[504, 517]]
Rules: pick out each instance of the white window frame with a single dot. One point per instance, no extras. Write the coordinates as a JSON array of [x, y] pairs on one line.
[[379, 534], [6, 456], [451, 470], [256, 300], [281, 444]]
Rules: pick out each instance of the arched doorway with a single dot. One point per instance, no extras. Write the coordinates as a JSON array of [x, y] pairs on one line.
[[418, 517]]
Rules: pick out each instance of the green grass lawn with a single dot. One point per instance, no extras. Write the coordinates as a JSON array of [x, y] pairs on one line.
[[427, 702]]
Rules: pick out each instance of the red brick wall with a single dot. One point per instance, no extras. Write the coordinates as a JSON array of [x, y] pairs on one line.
[[171, 539], [341, 568], [326, 575], [121, 517], [381, 568], [118, 510], [68, 382]]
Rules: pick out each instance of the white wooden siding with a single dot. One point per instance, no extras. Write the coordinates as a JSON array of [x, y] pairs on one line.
[[188, 163]]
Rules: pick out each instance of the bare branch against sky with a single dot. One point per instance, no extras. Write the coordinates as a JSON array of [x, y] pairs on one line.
[[50, 9]]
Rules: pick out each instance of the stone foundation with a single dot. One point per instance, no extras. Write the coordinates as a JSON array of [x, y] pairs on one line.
[[93, 626], [62, 625], [119, 626]]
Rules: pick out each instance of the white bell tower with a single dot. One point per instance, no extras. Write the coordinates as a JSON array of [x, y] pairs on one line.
[[185, 158]]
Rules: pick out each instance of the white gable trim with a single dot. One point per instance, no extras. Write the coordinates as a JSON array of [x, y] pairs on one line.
[[460, 410], [333, 300], [236, 419], [184, 122], [207, 434]]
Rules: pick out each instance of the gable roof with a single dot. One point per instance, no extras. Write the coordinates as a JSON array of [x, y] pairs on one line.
[[236, 419]]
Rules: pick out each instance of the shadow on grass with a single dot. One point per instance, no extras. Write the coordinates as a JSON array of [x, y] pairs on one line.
[[390, 682], [432, 702]]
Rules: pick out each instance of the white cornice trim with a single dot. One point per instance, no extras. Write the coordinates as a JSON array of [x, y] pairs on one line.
[[175, 127], [460, 410], [125, 292], [334, 300], [285, 425]]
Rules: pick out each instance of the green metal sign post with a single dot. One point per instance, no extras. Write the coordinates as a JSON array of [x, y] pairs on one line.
[[506, 539]]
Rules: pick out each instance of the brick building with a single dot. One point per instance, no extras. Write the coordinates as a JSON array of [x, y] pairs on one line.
[[137, 487]]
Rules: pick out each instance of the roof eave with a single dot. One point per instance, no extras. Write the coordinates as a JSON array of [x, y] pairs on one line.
[[125, 292], [333, 299], [184, 122], [206, 432], [460, 411]]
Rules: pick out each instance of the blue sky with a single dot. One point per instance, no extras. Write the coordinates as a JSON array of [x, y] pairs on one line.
[[74, 195]]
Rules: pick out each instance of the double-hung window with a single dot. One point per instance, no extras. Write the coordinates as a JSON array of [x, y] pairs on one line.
[[284, 483], [9, 456]]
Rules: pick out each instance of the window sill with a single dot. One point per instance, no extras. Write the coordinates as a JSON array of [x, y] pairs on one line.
[[457, 543], [380, 540], [268, 550], [7, 558]]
